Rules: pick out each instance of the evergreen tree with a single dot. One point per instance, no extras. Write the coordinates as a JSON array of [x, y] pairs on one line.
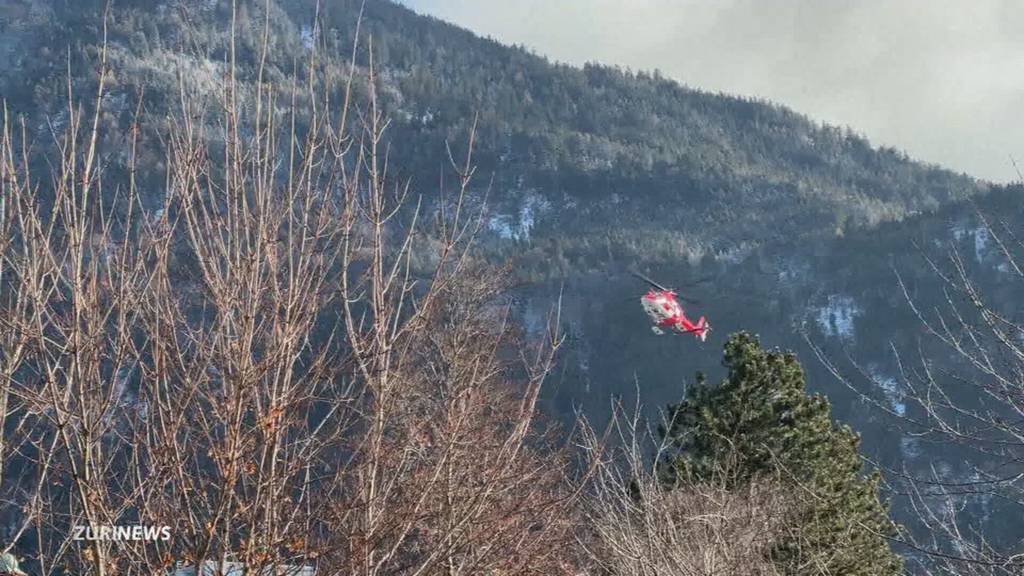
[[760, 423]]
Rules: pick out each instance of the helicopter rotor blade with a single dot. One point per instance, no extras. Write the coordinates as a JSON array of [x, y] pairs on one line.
[[648, 280], [700, 280]]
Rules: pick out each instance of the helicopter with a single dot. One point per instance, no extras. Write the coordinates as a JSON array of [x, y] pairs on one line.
[[662, 306]]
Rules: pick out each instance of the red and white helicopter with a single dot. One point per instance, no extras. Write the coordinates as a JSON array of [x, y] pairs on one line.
[[662, 306]]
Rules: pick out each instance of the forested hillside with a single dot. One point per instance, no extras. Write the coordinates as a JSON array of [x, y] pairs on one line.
[[851, 300], [583, 166]]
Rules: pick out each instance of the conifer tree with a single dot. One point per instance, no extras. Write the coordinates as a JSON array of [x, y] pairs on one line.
[[760, 423]]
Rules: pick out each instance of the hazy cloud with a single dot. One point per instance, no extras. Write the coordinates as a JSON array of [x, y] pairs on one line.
[[942, 79]]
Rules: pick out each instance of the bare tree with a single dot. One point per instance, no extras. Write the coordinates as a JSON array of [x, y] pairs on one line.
[[639, 527], [258, 364], [963, 389]]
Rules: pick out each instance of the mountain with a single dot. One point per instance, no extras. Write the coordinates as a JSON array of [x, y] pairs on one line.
[[583, 165], [587, 172]]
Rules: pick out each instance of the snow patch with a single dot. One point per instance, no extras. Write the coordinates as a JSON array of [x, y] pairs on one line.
[[979, 237], [518, 226], [306, 36], [892, 391], [982, 240], [836, 318]]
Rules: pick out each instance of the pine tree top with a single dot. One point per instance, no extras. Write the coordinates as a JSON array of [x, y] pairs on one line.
[[760, 423]]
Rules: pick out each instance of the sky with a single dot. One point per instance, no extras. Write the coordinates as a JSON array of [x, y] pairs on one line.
[[940, 79]]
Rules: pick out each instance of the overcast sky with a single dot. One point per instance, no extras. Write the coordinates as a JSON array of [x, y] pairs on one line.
[[941, 79]]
